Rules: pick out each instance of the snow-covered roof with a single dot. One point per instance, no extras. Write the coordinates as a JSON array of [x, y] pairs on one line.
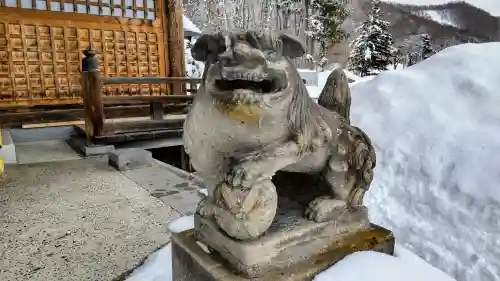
[[189, 28]]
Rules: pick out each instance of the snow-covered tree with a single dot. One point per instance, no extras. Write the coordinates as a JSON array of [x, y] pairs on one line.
[[327, 19], [373, 49], [426, 47], [193, 68]]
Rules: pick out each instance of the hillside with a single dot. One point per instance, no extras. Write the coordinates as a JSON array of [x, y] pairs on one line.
[[447, 24], [490, 6]]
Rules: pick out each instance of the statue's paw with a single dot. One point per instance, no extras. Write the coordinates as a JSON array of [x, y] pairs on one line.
[[205, 208], [245, 175], [324, 209]]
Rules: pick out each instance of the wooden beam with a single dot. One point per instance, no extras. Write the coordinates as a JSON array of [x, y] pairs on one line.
[[148, 99], [133, 136], [75, 114], [149, 80], [108, 100], [38, 17], [31, 103], [175, 42], [156, 111], [52, 124], [112, 128]]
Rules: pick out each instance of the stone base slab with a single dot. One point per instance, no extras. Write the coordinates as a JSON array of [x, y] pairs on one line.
[[78, 144], [130, 158], [290, 239], [194, 261]]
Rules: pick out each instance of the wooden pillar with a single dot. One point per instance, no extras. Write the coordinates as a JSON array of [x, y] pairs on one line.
[[156, 110], [92, 99], [175, 43]]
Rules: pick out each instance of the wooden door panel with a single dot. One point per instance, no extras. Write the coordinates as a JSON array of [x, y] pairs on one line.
[[40, 56]]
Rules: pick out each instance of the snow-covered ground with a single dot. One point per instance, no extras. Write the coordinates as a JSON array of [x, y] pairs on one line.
[[375, 266], [436, 129], [490, 6]]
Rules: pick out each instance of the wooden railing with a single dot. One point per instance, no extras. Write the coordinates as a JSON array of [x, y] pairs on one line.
[[96, 125]]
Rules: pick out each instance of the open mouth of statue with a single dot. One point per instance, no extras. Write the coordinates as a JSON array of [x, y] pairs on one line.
[[263, 86]]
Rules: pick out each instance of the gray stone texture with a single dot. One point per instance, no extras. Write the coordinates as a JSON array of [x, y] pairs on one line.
[[46, 151], [78, 143], [290, 240], [76, 220], [62, 133], [240, 135], [130, 158], [191, 262], [179, 193]]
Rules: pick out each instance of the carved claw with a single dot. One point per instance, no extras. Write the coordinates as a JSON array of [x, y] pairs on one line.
[[205, 208], [324, 208], [245, 175]]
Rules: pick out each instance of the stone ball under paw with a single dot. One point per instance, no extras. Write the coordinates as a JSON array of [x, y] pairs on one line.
[[248, 213]]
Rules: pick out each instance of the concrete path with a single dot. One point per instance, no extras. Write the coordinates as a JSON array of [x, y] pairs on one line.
[[44, 151], [83, 220]]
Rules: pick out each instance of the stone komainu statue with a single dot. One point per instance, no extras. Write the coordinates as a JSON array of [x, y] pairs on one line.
[[253, 117]]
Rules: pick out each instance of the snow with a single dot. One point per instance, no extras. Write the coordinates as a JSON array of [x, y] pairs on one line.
[[439, 17], [381, 267], [376, 266], [189, 28], [315, 91], [435, 127], [181, 224], [158, 266], [490, 6], [203, 191], [193, 68]]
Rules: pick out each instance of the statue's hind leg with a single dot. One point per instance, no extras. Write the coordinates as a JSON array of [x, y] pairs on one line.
[[348, 175], [336, 177]]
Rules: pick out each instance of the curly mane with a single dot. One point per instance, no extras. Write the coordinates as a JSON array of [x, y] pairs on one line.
[[303, 124]]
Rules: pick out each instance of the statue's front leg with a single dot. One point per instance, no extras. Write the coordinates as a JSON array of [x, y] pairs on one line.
[[261, 165]]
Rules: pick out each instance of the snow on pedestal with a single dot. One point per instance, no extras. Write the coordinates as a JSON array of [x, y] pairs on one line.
[[375, 266]]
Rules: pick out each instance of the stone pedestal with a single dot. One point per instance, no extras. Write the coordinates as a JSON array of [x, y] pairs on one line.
[[293, 249]]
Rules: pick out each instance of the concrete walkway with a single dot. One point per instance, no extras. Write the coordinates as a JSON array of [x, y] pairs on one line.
[[83, 220]]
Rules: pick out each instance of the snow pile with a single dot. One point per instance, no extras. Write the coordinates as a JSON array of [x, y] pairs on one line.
[[381, 267], [189, 28], [315, 91], [436, 130], [376, 267], [158, 266]]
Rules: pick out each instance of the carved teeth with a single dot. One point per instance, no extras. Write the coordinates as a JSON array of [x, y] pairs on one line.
[[250, 76]]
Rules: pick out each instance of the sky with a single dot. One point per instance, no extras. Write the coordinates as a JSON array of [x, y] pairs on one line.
[[491, 6]]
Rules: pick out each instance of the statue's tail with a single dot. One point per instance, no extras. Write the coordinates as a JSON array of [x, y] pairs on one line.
[[336, 95]]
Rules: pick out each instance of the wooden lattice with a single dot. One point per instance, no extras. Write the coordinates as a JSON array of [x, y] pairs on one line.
[[137, 9], [41, 51]]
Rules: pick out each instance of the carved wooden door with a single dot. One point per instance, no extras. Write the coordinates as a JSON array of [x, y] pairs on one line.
[[41, 44]]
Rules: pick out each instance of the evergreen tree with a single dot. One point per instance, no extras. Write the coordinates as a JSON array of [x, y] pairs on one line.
[[327, 21], [373, 49], [426, 47]]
